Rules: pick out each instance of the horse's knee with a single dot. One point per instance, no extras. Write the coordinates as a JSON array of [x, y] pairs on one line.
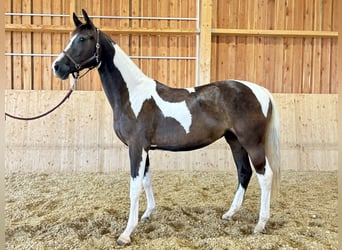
[[135, 190], [147, 181]]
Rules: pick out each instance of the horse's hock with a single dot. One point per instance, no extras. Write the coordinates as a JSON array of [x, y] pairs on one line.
[[79, 136]]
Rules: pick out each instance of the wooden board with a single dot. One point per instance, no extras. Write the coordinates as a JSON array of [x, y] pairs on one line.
[[79, 136], [287, 46]]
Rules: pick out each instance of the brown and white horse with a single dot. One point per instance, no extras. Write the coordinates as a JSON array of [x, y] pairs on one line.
[[149, 115]]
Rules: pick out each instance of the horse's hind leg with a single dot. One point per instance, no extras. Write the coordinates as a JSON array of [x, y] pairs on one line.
[[147, 183], [244, 173], [264, 174]]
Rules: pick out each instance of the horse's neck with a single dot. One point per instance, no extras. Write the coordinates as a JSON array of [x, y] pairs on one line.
[[130, 72], [123, 81]]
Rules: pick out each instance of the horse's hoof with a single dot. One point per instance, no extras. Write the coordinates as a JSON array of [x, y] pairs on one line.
[[123, 240], [259, 230], [145, 218], [226, 217]]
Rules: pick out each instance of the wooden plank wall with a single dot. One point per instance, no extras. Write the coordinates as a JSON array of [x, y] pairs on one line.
[[298, 63], [291, 64], [38, 75], [80, 137]]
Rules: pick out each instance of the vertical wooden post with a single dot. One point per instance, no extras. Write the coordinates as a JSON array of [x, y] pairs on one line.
[[339, 87], [27, 48], [72, 7], [205, 42], [2, 121], [17, 46]]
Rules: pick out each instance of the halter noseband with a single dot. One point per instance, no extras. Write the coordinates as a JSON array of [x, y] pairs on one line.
[[96, 56]]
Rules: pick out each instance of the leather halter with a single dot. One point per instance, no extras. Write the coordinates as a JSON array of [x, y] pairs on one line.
[[96, 56]]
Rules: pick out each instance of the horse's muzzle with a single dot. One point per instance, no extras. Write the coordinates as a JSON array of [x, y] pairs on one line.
[[61, 70]]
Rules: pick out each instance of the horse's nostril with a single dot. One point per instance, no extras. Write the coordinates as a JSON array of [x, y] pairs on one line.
[[56, 67]]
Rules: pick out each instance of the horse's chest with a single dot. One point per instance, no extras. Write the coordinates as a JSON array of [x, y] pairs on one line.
[[123, 129]]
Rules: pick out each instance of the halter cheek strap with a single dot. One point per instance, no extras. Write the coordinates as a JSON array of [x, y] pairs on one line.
[[96, 56]]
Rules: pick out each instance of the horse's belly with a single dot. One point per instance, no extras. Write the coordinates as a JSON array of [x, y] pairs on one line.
[[176, 148], [180, 141]]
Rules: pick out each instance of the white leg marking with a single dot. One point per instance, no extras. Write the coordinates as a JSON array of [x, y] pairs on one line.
[[261, 93], [236, 204], [265, 182], [135, 191], [147, 183], [142, 88]]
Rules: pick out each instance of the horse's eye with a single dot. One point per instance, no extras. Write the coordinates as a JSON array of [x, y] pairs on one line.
[[82, 39]]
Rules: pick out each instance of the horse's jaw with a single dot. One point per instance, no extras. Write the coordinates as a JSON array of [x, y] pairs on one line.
[[62, 76]]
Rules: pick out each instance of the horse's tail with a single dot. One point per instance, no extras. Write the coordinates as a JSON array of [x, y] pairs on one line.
[[272, 147]]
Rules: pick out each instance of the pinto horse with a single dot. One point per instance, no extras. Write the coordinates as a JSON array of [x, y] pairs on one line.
[[149, 115]]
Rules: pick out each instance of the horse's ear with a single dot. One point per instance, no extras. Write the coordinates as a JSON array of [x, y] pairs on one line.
[[85, 15], [76, 20]]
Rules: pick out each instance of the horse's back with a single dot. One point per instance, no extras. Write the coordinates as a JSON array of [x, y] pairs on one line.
[[235, 97]]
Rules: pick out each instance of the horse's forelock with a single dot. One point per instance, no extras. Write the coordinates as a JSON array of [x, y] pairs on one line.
[[83, 29]]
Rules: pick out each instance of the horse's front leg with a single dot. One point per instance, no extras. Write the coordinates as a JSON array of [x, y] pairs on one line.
[[147, 183], [137, 159]]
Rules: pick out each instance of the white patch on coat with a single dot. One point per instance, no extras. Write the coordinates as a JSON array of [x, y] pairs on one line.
[[191, 90], [262, 94], [142, 88], [176, 110]]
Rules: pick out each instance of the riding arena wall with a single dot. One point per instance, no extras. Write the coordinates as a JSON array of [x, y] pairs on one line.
[[290, 47]]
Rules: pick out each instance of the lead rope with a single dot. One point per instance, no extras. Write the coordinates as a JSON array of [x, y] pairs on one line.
[[76, 77]]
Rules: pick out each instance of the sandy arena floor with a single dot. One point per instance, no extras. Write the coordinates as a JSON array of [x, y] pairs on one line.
[[89, 211]]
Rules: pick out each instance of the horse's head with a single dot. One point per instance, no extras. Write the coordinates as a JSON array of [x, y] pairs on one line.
[[83, 50]]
